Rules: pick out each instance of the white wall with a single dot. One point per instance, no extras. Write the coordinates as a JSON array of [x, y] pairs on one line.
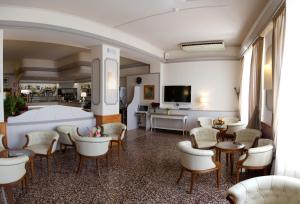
[[147, 79], [214, 80]]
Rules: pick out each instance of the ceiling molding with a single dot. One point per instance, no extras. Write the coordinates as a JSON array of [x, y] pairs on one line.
[[52, 20], [260, 24], [138, 64]]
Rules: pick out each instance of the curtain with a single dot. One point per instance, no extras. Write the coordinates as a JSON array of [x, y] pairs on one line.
[[244, 89], [255, 84], [288, 97], [277, 57]]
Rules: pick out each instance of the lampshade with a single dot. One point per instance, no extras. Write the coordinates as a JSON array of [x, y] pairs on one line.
[[83, 94]]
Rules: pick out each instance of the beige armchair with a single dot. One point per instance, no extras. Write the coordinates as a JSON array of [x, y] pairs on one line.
[[204, 138], [265, 189], [67, 134], [197, 161], [43, 144], [92, 148], [255, 158], [2, 143], [248, 137], [12, 172], [234, 127], [205, 122], [117, 133], [229, 120]]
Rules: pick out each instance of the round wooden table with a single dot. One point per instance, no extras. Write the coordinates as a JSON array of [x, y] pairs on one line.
[[20, 152], [229, 147]]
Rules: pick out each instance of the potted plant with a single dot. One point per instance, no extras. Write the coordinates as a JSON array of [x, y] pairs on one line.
[[14, 105]]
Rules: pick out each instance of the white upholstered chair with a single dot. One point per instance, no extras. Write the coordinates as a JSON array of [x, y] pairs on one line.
[[265, 189], [204, 138], [197, 161], [247, 137], [12, 172], [67, 133], [43, 144], [117, 133], [91, 147], [229, 120], [234, 127], [256, 158], [2, 143], [205, 122]]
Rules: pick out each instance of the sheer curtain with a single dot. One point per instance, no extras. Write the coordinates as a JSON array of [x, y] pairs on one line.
[[244, 90], [288, 100], [255, 84], [277, 57]]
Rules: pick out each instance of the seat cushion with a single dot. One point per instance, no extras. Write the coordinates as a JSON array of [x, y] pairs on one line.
[[114, 136], [39, 148], [205, 144]]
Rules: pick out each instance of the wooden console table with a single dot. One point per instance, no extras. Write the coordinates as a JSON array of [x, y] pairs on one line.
[[182, 118]]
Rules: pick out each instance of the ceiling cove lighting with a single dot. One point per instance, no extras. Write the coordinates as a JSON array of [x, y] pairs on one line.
[[197, 46]]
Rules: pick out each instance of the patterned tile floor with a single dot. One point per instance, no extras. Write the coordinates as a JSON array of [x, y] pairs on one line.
[[145, 173]]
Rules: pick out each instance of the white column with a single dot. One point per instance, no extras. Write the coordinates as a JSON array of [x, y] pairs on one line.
[[1, 78], [105, 82]]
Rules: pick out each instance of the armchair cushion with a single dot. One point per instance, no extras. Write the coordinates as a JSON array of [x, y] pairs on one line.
[[266, 189], [39, 148]]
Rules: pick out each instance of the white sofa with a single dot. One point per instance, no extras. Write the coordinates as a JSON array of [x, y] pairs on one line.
[[264, 190]]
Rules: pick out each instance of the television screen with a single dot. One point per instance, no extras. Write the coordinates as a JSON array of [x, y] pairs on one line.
[[177, 94]]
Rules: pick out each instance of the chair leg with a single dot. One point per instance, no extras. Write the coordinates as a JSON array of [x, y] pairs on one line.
[[10, 197], [238, 175], [181, 173], [97, 164], [48, 164], [192, 182], [218, 175], [122, 144], [80, 164]]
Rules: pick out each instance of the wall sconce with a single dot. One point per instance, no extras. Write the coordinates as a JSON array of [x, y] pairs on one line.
[[112, 81], [267, 76], [203, 101]]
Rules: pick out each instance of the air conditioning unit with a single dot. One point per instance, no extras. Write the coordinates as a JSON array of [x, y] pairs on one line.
[[216, 45]]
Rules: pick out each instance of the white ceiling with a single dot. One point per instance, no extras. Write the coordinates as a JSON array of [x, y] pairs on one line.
[[15, 50], [156, 21]]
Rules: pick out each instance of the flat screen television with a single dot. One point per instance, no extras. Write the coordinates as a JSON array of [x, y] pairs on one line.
[[178, 94]]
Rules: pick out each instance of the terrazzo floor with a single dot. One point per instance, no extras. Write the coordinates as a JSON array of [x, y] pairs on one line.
[[145, 173]]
